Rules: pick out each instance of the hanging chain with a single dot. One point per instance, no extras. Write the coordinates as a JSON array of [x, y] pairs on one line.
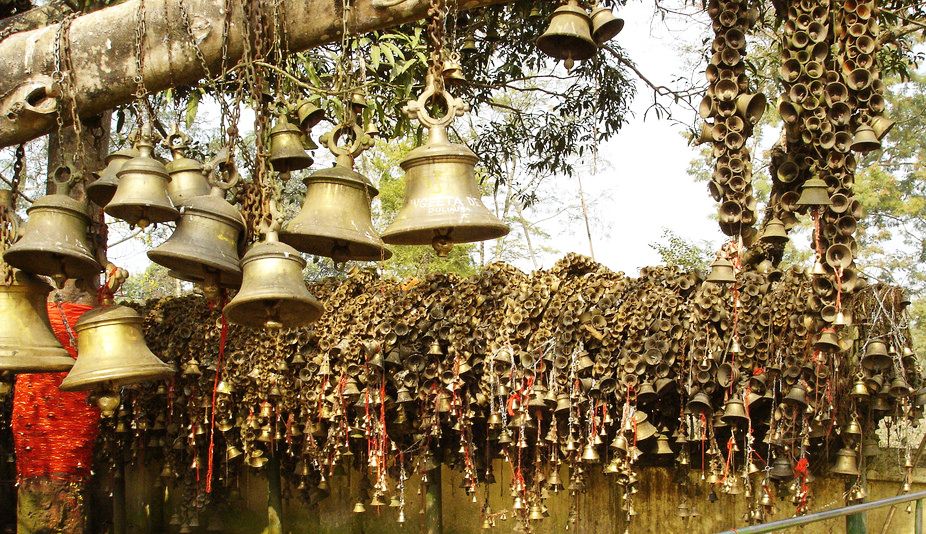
[[437, 15], [63, 79], [141, 93]]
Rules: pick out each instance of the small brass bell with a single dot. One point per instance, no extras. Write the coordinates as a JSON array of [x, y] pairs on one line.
[[735, 412], [700, 404], [536, 513], [101, 190], [605, 26], [273, 293], [796, 397], [859, 390], [287, 153], [186, 175], [865, 140], [442, 206], [469, 45], [900, 388], [814, 193], [569, 36], [721, 272], [54, 241], [309, 115], [335, 220], [112, 351], [141, 198], [775, 232], [590, 454], [359, 508], [781, 468], [876, 356], [663, 448], [206, 243], [27, 344], [846, 463], [827, 341]]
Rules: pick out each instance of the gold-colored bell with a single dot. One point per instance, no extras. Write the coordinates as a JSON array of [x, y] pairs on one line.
[[590, 454], [796, 397], [309, 115], [335, 219], [827, 341], [141, 197], [442, 206], [865, 139], [900, 388], [54, 241], [205, 246], [839, 256], [663, 448], [859, 390], [882, 126], [187, 179], [814, 193], [721, 272], [568, 36], [287, 152], [605, 25], [273, 293], [775, 232], [536, 513], [27, 344], [876, 356], [101, 190], [700, 404], [846, 463], [735, 412], [112, 352]]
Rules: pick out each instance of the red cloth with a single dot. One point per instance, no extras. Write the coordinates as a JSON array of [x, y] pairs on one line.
[[54, 431]]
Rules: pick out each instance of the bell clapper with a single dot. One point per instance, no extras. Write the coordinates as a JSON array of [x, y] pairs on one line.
[[442, 244], [107, 400]]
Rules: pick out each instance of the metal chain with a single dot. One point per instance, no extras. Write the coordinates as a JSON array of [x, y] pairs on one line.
[[72, 338], [437, 15], [70, 92]]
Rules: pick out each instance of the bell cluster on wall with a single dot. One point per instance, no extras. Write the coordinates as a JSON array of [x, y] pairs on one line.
[[557, 373]]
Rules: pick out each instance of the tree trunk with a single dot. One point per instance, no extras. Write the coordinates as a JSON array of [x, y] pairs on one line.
[[103, 51]]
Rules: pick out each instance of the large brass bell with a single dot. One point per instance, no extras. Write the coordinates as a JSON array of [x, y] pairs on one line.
[[846, 463], [205, 246], [54, 242], [335, 220], [141, 198], [111, 351], [187, 179], [101, 190], [569, 36], [27, 344], [273, 293], [721, 271], [605, 26], [876, 356], [443, 206], [814, 193], [287, 152], [775, 232]]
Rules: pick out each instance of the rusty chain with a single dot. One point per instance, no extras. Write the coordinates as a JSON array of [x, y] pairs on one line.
[[437, 16]]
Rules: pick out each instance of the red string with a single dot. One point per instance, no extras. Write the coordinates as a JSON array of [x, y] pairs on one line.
[[54, 431], [223, 338]]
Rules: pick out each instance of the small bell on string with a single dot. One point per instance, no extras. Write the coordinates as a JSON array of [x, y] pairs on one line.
[[287, 152], [141, 198], [309, 115], [569, 35], [846, 463]]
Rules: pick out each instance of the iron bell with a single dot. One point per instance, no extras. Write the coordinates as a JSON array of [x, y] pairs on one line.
[[814, 193], [27, 344], [846, 463], [206, 243], [605, 25], [569, 36], [273, 293], [112, 352], [287, 153], [187, 179], [141, 197], [442, 206], [54, 241], [335, 220], [721, 272], [101, 190]]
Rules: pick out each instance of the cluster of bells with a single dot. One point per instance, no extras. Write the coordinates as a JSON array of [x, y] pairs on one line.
[[575, 34]]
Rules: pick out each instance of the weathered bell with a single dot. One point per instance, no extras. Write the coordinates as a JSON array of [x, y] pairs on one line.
[[141, 197], [646, 393], [205, 245], [309, 115], [700, 404], [335, 220], [814, 193], [54, 241], [865, 139], [827, 341], [775, 232], [101, 190], [663, 448], [112, 352], [781, 468], [900, 387], [846, 463], [287, 153], [27, 344], [273, 293], [442, 206], [734, 412], [590, 454], [859, 390], [876, 356], [643, 428], [605, 25], [721, 272], [796, 397], [882, 126], [187, 179], [569, 36]]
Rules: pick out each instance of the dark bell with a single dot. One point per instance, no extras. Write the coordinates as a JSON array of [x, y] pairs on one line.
[[101, 190]]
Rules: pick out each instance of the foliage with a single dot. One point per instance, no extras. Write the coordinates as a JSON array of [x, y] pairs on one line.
[[153, 283], [675, 251]]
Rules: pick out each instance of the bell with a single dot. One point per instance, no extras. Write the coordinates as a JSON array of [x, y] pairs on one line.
[[900, 387], [335, 220], [273, 293], [590, 454], [876, 356], [700, 404], [846, 463], [865, 139], [54, 242], [469, 45], [644, 429], [859, 390], [775, 232], [186, 175], [101, 190], [751, 106], [112, 351], [205, 245], [27, 344], [839, 256], [359, 508], [663, 448], [827, 341], [646, 393], [141, 198], [814, 193], [309, 115], [734, 412], [852, 429], [569, 35], [401, 518], [443, 206], [781, 468], [287, 153], [882, 126], [536, 513], [796, 397], [721, 272], [605, 26]]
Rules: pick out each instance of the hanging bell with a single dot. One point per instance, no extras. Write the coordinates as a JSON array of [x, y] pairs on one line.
[[846, 463], [734, 412], [335, 220], [442, 206], [141, 197], [605, 25], [273, 293], [781, 468], [287, 152], [101, 190], [27, 344], [814, 193], [876, 356], [112, 351], [186, 175], [309, 115], [663, 448], [796, 397], [775, 232], [865, 140], [569, 36], [900, 388], [721, 272], [54, 241], [827, 341], [700, 404], [469, 45], [590, 454], [859, 390]]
